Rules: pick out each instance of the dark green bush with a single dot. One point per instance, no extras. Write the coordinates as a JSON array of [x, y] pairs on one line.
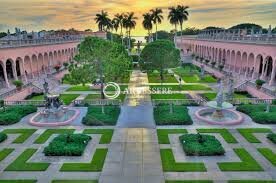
[[95, 117], [3, 137], [180, 115], [67, 145], [245, 93], [201, 145], [13, 114], [272, 137], [259, 82], [33, 95], [258, 113]]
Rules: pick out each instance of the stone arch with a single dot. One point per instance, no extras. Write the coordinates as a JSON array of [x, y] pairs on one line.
[[233, 59], [27, 66], [40, 62], [9, 68], [244, 67], [251, 59], [259, 64], [228, 56], [269, 66], [46, 61], [34, 64], [51, 58], [55, 61], [59, 57], [19, 66], [2, 75], [238, 61]]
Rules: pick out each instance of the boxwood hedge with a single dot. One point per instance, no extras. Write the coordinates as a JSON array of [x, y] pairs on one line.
[[272, 137], [3, 137], [201, 145], [67, 145]]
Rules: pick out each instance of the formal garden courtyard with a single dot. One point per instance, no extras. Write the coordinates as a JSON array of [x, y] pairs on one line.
[[154, 131]]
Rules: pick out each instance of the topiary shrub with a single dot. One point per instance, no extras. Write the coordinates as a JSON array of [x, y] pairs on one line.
[[67, 145], [3, 137], [259, 83], [13, 114], [201, 145], [18, 84], [34, 94], [272, 137]]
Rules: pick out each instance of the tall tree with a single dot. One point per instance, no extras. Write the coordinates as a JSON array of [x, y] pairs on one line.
[[129, 23], [157, 17], [173, 17], [182, 15], [119, 19], [147, 23], [103, 21]]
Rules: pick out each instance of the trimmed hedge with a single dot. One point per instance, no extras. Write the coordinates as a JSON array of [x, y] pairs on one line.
[[67, 145], [13, 114], [3, 137], [180, 115], [272, 137], [95, 117], [201, 145], [258, 113]]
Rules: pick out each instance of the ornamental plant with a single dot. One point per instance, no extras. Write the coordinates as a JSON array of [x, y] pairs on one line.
[[259, 83], [18, 84]]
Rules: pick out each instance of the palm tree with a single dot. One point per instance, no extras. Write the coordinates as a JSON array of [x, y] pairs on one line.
[[129, 23], [102, 20], [173, 17], [119, 20], [147, 23], [182, 15], [157, 17]]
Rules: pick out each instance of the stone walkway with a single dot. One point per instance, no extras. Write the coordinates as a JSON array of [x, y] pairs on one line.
[[134, 151]]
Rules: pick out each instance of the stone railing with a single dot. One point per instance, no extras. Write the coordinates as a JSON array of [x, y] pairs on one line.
[[236, 39], [239, 101], [26, 102], [33, 42], [97, 102], [156, 102]]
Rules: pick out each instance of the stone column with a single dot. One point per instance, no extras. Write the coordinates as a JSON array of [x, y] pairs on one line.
[[273, 74], [6, 76], [255, 72], [264, 70], [14, 71], [247, 67], [23, 72]]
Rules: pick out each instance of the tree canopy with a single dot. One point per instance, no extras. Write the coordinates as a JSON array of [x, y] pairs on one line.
[[160, 55]]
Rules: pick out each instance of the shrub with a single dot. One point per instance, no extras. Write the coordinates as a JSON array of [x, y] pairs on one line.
[[95, 117], [65, 64], [13, 114], [221, 67], [201, 145], [180, 115], [207, 61], [213, 63], [259, 82], [33, 95], [272, 137], [67, 145], [18, 83], [3, 137], [245, 93], [57, 67]]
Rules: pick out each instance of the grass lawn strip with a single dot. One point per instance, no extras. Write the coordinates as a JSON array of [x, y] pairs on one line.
[[167, 78], [106, 134], [185, 87], [163, 134], [248, 163], [269, 155], [169, 164], [66, 98], [95, 165], [49, 132], [20, 164], [247, 133], [227, 136], [169, 96], [24, 134], [74, 181], [98, 96], [5, 153]]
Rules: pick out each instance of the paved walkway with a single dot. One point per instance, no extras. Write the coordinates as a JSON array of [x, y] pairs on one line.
[[134, 151]]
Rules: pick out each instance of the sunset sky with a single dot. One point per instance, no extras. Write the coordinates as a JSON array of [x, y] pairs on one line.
[[79, 14]]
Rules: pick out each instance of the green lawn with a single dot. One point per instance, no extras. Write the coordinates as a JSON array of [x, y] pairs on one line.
[[163, 134], [169, 96], [5, 153], [180, 115], [227, 136], [18, 181], [24, 134], [106, 134], [247, 133], [269, 155], [212, 96], [49, 132], [155, 78], [95, 165], [186, 70], [195, 78], [248, 163], [185, 87], [95, 117], [21, 164], [88, 88], [66, 98], [169, 164], [98, 96]]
